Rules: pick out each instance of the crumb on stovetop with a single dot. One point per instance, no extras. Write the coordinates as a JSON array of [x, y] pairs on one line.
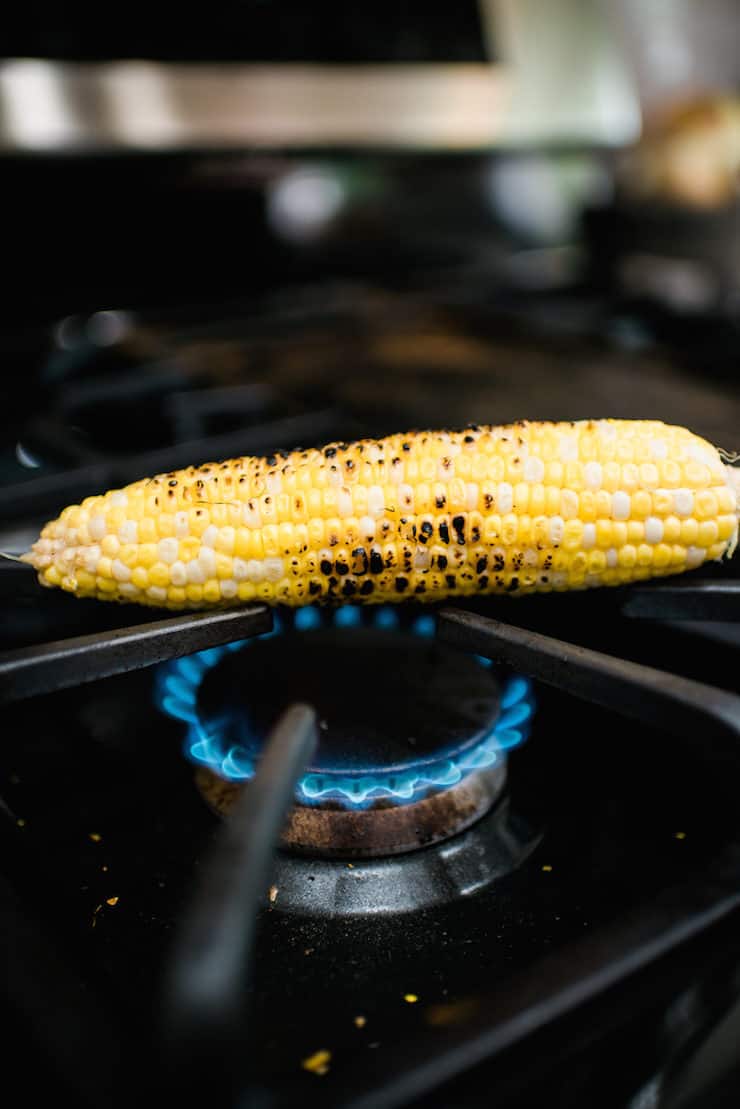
[[318, 1063]]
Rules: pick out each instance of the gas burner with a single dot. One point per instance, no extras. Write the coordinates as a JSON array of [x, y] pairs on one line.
[[413, 734], [459, 868]]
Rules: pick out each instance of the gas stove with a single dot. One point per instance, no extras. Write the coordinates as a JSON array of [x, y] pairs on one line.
[[378, 856]]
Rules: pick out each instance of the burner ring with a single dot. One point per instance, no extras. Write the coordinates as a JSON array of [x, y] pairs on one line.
[[414, 747], [331, 831]]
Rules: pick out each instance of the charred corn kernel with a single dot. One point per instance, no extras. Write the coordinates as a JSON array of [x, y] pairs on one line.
[[426, 515]]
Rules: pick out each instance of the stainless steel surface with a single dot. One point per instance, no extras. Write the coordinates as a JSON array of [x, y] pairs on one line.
[[562, 78], [55, 106]]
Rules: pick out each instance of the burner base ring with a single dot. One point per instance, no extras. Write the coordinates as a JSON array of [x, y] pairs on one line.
[[331, 830]]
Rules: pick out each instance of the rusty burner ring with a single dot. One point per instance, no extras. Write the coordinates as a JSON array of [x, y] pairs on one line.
[[384, 828]]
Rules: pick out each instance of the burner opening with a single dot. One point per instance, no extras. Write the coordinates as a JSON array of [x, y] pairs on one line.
[[413, 734]]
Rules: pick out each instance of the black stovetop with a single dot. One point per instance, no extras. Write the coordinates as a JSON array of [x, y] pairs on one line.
[[105, 829]]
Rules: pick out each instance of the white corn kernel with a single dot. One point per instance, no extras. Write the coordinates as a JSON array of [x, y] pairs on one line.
[[621, 506], [120, 571], [167, 550], [593, 475], [505, 499], [97, 527], [178, 573], [534, 470], [683, 502], [653, 530]]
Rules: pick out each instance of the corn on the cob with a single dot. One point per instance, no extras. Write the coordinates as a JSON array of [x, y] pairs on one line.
[[515, 509]]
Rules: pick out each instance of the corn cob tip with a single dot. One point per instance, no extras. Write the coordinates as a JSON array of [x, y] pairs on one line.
[[733, 481]]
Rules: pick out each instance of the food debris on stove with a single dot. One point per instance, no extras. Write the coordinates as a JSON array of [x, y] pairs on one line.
[[111, 901], [412, 998], [318, 1063], [451, 1012], [272, 894], [547, 868], [95, 837], [360, 1022], [522, 508]]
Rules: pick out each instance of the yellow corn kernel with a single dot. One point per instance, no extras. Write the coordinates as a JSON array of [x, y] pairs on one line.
[[110, 546], [604, 537], [627, 556], [596, 562], [708, 533], [661, 555], [211, 592], [662, 502], [85, 581], [642, 504], [140, 577], [671, 529], [689, 532], [706, 506], [159, 574], [104, 568], [726, 526], [573, 535]]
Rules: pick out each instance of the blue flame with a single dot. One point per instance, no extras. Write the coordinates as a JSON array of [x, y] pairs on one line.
[[177, 689]]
